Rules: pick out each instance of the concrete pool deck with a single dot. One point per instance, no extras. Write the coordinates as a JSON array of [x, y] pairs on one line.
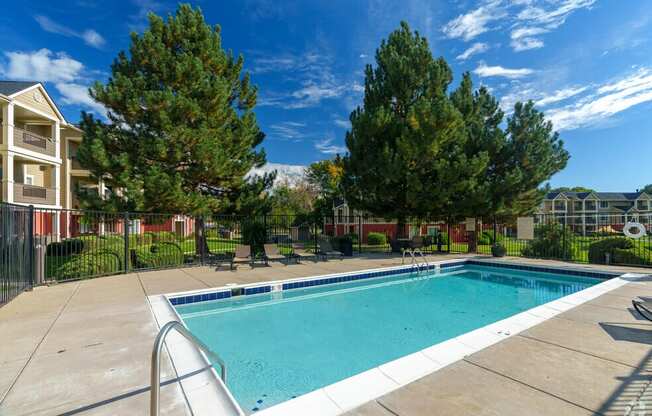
[[84, 348]]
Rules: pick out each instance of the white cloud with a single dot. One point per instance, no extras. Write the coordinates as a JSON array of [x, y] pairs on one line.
[[363, 56], [287, 130], [499, 71], [524, 44], [343, 123], [326, 146], [475, 49], [89, 36], [605, 101], [42, 65], [469, 25], [76, 94], [63, 71], [538, 18], [559, 95], [286, 174], [310, 79]]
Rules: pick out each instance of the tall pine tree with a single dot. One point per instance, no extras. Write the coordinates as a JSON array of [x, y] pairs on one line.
[[521, 157], [407, 155], [182, 132]]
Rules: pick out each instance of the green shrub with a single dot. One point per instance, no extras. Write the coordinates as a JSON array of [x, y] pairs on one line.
[[86, 265], [163, 254], [442, 238], [65, 248], [551, 241], [624, 256], [486, 238], [157, 237], [599, 249], [376, 239]]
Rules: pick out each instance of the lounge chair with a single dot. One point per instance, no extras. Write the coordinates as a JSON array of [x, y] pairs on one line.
[[644, 308], [326, 250], [271, 253], [242, 255], [414, 246], [300, 253]]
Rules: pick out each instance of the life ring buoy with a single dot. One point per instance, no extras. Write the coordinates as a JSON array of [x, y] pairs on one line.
[[634, 230]]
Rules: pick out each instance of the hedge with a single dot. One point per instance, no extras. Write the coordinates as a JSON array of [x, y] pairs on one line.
[[551, 241], [65, 247], [163, 254], [89, 265], [599, 249], [376, 239], [623, 256]]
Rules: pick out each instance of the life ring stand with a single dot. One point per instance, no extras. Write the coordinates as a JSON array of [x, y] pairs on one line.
[[630, 226]]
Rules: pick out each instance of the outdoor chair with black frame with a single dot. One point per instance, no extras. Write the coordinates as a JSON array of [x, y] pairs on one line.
[[326, 250], [242, 255], [644, 308], [299, 253], [271, 252]]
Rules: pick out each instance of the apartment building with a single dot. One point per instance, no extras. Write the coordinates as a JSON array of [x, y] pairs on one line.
[[38, 148], [599, 211]]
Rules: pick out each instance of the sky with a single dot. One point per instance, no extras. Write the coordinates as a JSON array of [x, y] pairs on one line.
[[587, 64]]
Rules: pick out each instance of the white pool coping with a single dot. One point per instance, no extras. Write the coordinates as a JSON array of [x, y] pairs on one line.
[[337, 398]]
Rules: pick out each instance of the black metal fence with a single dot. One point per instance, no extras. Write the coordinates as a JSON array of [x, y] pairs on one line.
[[16, 251], [46, 245]]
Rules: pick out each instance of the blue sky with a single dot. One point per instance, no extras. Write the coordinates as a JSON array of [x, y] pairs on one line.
[[587, 64]]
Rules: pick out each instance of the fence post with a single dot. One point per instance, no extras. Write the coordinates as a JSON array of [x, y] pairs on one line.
[[126, 237], [495, 228], [30, 246], [360, 234], [450, 237], [563, 238]]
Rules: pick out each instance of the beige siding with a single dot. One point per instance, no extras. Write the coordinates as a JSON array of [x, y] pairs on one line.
[[27, 98]]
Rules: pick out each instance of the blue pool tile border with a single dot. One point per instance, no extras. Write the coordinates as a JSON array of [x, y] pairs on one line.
[[201, 297], [256, 290], [569, 272]]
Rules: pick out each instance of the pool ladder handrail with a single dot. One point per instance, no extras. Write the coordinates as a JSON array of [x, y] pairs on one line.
[[415, 262], [155, 379]]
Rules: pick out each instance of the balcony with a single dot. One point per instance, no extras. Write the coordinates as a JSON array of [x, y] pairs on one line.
[[31, 194], [34, 142]]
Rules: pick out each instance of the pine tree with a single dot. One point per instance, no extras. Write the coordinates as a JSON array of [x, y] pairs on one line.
[[521, 157], [406, 146], [182, 132]]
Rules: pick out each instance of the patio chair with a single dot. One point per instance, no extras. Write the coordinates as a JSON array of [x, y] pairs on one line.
[[242, 255], [326, 250], [271, 252], [644, 308], [300, 253]]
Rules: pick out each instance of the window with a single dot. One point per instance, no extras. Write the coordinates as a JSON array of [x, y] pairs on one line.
[[641, 204], [604, 204], [340, 214], [590, 205], [29, 179]]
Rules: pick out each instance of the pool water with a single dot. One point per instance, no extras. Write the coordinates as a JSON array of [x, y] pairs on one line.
[[284, 344]]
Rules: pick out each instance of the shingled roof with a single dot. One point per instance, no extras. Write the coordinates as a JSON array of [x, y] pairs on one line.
[[12, 87], [629, 196]]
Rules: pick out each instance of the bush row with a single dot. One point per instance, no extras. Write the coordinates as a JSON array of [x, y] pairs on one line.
[[109, 261]]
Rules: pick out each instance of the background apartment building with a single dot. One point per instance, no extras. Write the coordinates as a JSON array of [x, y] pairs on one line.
[[38, 148], [589, 212]]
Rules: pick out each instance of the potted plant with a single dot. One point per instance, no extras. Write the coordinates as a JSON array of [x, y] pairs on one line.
[[498, 250]]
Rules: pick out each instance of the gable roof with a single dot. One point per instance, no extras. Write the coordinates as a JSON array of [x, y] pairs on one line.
[[12, 87], [629, 196]]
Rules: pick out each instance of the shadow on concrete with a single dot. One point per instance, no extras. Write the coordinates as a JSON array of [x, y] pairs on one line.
[[634, 394], [131, 393], [639, 333]]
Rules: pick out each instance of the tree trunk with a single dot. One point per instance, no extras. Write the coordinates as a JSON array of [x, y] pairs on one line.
[[200, 237]]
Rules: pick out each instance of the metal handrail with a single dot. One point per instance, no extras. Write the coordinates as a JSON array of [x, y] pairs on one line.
[[156, 360]]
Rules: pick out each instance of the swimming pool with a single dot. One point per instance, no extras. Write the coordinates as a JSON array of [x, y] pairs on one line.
[[285, 340]]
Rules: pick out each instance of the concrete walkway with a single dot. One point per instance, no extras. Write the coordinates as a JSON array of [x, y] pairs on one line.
[[84, 348]]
